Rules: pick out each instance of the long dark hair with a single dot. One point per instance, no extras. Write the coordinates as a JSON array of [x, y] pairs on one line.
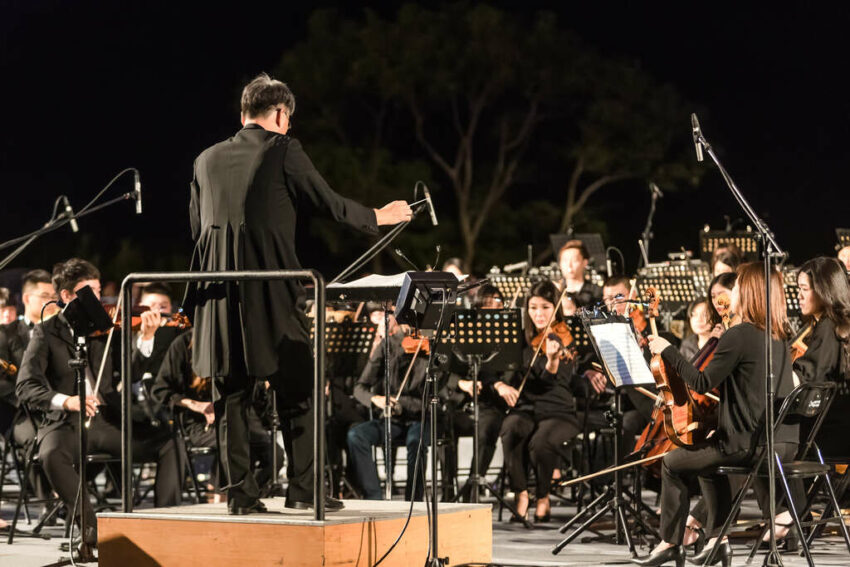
[[545, 290], [829, 284], [727, 281]]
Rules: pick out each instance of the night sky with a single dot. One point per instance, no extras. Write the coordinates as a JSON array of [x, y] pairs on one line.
[[92, 88]]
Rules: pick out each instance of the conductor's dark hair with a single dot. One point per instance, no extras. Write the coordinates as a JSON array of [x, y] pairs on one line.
[[264, 93], [33, 278], [157, 288], [68, 274], [545, 290]]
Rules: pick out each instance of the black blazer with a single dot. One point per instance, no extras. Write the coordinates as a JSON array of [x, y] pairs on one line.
[[14, 338], [244, 199], [45, 372]]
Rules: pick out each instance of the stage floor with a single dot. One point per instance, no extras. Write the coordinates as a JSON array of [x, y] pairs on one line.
[[512, 545]]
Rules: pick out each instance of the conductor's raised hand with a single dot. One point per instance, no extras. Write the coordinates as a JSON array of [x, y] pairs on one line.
[[657, 344], [393, 213]]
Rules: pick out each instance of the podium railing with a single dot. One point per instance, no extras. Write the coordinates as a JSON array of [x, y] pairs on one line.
[[233, 276]]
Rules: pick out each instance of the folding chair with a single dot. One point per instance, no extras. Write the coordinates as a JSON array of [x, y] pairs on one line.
[[811, 401]]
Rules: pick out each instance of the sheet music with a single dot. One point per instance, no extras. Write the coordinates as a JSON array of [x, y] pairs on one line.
[[374, 280], [621, 354]]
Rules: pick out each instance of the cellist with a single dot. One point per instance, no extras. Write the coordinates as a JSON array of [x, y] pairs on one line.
[[738, 370]]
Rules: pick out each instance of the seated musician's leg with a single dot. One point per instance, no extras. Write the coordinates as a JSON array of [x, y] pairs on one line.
[[546, 450], [361, 439], [515, 432]]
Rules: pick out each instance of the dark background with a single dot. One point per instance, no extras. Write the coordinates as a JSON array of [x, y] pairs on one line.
[[93, 87]]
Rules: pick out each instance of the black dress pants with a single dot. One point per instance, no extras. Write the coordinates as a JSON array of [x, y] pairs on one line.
[[59, 450], [489, 424], [540, 444], [677, 469], [293, 385]]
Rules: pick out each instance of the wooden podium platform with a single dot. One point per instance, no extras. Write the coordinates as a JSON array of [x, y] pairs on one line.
[[204, 535]]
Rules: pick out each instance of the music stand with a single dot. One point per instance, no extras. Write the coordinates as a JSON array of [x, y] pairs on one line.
[[676, 292], [746, 241], [694, 269], [613, 339], [478, 337], [85, 315], [511, 285]]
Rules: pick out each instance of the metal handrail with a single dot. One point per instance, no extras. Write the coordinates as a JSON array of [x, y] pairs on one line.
[[231, 276]]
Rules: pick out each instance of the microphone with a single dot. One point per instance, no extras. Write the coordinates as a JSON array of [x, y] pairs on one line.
[[653, 188], [406, 259], [430, 204], [697, 133], [69, 214], [137, 191], [514, 267], [608, 267]]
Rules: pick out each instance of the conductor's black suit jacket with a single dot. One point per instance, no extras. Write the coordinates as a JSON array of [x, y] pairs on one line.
[[244, 198], [45, 372]]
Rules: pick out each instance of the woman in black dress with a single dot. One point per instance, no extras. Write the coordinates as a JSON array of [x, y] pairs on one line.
[[543, 415], [738, 370]]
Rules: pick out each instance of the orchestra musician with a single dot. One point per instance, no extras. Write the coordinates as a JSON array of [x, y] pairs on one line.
[[47, 384], [244, 197], [573, 259], [725, 259], [405, 403], [699, 319], [719, 286], [738, 370], [543, 415]]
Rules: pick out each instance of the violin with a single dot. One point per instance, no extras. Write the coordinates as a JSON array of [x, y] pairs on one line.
[[559, 332], [413, 344], [799, 347], [8, 367], [178, 319]]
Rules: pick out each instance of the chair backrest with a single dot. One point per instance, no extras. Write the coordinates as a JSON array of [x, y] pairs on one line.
[[809, 400]]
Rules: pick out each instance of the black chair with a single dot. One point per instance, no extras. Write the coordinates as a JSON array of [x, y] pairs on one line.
[[806, 401], [190, 453]]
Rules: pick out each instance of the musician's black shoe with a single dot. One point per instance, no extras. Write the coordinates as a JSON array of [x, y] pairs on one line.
[[331, 504], [240, 509], [723, 556], [547, 517], [671, 554]]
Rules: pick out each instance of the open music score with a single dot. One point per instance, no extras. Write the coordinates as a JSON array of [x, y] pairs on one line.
[[746, 241], [620, 353]]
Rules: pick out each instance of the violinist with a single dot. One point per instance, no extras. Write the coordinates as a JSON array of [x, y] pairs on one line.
[[543, 415], [404, 403], [725, 259], [154, 336], [47, 384], [573, 259], [701, 329], [822, 353], [719, 286], [737, 370]]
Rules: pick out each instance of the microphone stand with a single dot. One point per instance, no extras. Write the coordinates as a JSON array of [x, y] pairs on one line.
[[646, 235], [772, 252], [52, 225]]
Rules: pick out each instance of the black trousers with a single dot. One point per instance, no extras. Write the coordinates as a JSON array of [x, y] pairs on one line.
[[541, 444], [293, 385], [489, 424], [59, 449]]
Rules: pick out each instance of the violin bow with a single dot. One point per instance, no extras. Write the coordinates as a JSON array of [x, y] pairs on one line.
[[395, 398], [105, 353], [540, 346]]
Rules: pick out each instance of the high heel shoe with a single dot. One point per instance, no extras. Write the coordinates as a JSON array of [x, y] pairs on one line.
[[723, 555], [543, 519], [675, 553], [699, 543], [789, 542]]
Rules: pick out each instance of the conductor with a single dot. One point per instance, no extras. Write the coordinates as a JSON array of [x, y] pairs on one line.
[[244, 198]]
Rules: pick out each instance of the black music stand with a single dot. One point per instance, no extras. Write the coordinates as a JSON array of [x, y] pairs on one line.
[[748, 243], [511, 285], [613, 339], [85, 315], [694, 269], [792, 304], [842, 235], [478, 337], [676, 292], [423, 302], [347, 350]]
